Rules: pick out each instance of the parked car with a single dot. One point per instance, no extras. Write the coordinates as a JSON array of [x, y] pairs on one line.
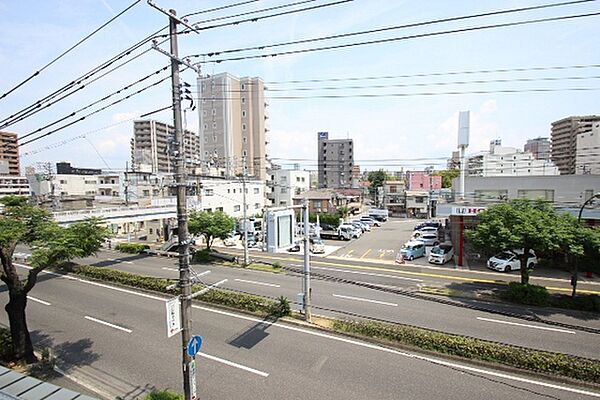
[[356, 231], [428, 229], [441, 254], [413, 249], [295, 247], [508, 260], [362, 225], [317, 246], [429, 239], [379, 214], [370, 220], [434, 224], [231, 239]]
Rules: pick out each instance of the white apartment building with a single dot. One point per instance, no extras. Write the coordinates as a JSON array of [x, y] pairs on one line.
[[233, 124], [227, 196], [286, 185], [587, 157], [508, 161], [13, 185]]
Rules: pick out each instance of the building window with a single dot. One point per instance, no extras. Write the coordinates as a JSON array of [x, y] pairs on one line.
[[228, 191], [419, 200], [245, 139], [256, 190], [214, 125], [243, 100], [256, 206], [536, 194], [214, 112], [236, 208], [283, 190], [243, 86], [243, 127], [204, 112], [219, 209], [491, 194], [243, 113], [205, 139], [244, 153], [64, 182], [209, 192]]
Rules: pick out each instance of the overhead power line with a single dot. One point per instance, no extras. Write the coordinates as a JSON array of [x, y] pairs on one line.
[[385, 29], [64, 53], [407, 37], [255, 11], [37, 106]]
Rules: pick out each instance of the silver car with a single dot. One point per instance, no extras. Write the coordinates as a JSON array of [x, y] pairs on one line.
[[428, 239]]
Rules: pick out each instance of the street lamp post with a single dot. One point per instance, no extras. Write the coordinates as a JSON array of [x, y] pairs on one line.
[[576, 265]]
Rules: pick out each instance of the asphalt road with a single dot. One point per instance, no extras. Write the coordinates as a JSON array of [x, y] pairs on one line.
[[116, 339], [341, 299]]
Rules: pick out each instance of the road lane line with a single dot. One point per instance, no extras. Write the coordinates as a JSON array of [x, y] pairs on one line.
[[119, 260], [170, 269], [385, 303], [381, 253], [39, 301], [349, 254], [257, 283], [368, 273], [365, 254], [232, 364], [526, 325], [108, 324], [353, 342], [433, 360]]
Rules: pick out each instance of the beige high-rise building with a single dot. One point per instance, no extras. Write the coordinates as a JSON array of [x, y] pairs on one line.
[[149, 147], [232, 124], [9, 154], [564, 140]]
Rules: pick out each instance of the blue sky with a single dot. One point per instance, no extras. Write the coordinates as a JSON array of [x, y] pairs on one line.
[[34, 32]]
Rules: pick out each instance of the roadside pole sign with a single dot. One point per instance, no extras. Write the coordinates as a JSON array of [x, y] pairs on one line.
[[192, 372], [173, 317], [194, 345]]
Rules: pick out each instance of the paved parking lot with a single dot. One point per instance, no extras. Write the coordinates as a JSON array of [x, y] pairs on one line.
[[382, 243]]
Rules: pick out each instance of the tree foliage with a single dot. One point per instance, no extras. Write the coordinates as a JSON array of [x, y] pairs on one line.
[[526, 225], [376, 178], [447, 176], [211, 225], [22, 223]]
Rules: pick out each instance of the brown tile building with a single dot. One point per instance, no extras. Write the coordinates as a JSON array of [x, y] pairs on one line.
[[9, 154]]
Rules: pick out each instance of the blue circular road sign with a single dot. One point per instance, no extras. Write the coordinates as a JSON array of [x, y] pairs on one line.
[[194, 345]]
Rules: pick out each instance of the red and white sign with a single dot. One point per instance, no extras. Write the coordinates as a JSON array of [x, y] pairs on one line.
[[467, 211]]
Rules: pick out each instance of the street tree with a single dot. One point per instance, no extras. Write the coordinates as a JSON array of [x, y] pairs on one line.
[[447, 176], [22, 223], [211, 225], [522, 225], [376, 178]]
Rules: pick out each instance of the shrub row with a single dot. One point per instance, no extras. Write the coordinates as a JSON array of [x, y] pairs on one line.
[[132, 248], [6, 348], [539, 296], [163, 395], [553, 363], [240, 301]]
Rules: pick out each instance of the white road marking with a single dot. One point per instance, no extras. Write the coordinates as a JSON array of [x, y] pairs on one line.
[[349, 341], [119, 260], [257, 283], [39, 301], [232, 364], [526, 325], [170, 269], [108, 324], [385, 303], [369, 274]]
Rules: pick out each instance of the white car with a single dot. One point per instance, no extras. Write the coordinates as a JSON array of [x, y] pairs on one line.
[[356, 231], [508, 260], [317, 246], [430, 239], [441, 254], [428, 229]]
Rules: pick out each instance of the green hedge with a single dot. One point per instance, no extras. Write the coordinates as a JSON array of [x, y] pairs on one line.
[[526, 294], [255, 304], [583, 302], [553, 363], [163, 395], [132, 248], [6, 348], [203, 256]]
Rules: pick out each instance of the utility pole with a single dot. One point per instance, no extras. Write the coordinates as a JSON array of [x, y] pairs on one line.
[[244, 214], [307, 312], [187, 362], [126, 183]]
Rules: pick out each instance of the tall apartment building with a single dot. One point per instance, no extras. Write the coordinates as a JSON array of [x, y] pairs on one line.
[[9, 154], [587, 157], [564, 134], [150, 143], [508, 161], [232, 124], [336, 161], [539, 147]]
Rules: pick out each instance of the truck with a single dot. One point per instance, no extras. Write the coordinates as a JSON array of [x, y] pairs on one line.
[[340, 233], [379, 214]]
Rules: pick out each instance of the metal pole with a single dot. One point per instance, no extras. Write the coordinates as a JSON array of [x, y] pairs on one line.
[[461, 187], [182, 229], [575, 277], [244, 214], [307, 291]]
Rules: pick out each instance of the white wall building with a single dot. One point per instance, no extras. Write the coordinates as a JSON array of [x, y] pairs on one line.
[[13, 185], [287, 184], [508, 161], [227, 196], [587, 157]]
